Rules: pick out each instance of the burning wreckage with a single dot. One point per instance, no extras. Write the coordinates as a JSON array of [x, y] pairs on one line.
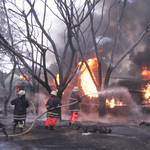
[[123, 96]]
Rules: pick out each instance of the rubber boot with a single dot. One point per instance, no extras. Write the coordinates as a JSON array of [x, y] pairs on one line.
[[14, 128], [4, 131], [51, 127], [72, 124], [46, 127]]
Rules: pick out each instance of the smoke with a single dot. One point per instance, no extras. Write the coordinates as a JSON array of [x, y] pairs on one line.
[[139, 60], [133, 24]]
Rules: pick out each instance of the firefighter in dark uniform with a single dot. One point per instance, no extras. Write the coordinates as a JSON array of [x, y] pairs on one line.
[[53, 111], [20, 105], [76, 99]]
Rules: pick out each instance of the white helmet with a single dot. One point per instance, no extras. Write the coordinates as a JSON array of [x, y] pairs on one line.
[[54, 93], [21, 92], [75, 89]]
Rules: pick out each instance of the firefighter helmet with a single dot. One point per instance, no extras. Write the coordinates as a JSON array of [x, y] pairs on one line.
[[21, 92], [54, 93], [75, 89]]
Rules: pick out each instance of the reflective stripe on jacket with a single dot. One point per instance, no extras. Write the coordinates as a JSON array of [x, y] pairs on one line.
[[53, 103], [20, 105]]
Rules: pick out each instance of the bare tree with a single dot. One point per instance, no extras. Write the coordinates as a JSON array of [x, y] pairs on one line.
[[36, 40], [35, 29]]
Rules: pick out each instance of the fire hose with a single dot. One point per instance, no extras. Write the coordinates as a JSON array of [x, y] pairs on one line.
[[40, 116]]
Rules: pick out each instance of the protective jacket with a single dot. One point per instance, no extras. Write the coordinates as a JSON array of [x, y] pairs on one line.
[[20, 107], [53, 103], [73, 98]]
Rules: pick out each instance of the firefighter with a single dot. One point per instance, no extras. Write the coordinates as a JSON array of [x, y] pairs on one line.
[[20, 105], [74, 108], [2, 127], [52, 110]]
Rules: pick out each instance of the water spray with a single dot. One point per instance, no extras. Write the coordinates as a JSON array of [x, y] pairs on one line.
[[97, 93]]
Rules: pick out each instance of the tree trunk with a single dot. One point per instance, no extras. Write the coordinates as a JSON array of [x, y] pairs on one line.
[[5, 105], [100, 75], [102, 98], [102, 104], [107, 77]]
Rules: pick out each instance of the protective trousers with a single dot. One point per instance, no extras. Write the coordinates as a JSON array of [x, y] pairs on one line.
[[74, 115], [21, 124], [50, 121]]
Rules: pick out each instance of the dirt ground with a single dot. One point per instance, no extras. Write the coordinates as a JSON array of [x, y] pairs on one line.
[[126, 134]]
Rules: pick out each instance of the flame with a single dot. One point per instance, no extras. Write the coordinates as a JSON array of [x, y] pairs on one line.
[[146, 76], [145, 73], [57, 78], [147, 91], [24, 76], [86, 80], [112, 103]]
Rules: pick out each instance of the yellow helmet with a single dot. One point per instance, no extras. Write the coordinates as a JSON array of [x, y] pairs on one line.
[[75, 89]]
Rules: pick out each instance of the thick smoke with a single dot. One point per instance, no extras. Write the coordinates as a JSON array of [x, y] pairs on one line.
[[134, 22]]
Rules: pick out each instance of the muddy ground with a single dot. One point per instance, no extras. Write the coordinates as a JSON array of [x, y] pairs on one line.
[[126, 134]]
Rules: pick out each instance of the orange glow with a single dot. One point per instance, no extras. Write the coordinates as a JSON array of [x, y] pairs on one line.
[[57, 78], [45, 100], [112, 103], [147, 91], [86, 81], [145, 73], [17, 88], [24, 76]]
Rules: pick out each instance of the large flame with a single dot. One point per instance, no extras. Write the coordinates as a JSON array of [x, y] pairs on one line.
[[86, 80], [145, 73]]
